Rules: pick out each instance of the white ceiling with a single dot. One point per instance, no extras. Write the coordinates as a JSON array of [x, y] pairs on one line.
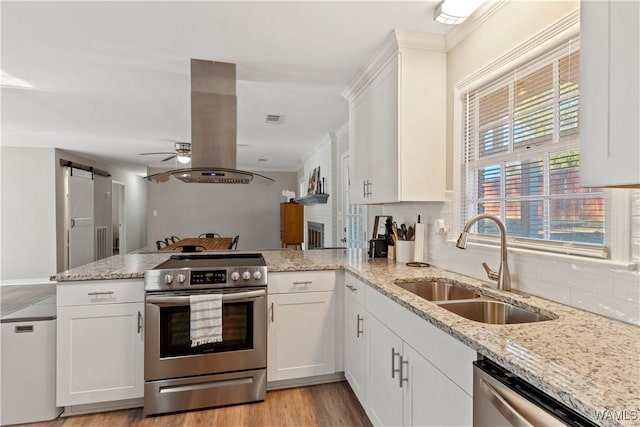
[[111, 79]]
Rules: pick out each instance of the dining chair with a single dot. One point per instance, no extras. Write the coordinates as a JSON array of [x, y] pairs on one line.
[[161, 243], [234, 243], [172, 238], [209, 235]]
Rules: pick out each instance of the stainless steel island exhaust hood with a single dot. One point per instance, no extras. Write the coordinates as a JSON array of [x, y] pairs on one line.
[[213, 128]]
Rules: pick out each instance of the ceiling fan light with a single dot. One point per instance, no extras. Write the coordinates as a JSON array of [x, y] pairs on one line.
[[184, 158]]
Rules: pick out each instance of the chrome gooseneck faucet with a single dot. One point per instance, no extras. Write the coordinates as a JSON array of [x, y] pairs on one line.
[[502, 276]]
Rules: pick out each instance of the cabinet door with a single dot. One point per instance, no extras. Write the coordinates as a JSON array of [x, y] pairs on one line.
[[383, 141], [384, 395], [354, 348], [301, 335], [609, 84], [430, 398], [99, 353], [359, 145]]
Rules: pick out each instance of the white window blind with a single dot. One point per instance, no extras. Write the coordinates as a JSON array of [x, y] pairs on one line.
[[520, 158]]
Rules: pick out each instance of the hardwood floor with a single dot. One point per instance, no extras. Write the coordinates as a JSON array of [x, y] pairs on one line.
[[320, 405]]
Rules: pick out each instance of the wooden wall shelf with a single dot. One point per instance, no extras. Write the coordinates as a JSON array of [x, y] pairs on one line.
[[313, 199]]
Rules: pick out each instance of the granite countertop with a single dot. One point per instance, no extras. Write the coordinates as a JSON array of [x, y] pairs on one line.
[[589, 362]]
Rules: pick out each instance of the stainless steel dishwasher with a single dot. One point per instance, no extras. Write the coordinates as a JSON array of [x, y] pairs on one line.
[[500, 398]]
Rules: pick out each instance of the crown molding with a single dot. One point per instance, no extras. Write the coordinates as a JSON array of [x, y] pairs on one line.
[[484, 12], [395, 42]]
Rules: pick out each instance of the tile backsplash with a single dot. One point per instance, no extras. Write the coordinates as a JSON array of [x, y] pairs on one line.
[[598, 287]]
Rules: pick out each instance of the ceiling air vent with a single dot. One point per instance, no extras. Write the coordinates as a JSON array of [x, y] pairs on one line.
[[273, 119]]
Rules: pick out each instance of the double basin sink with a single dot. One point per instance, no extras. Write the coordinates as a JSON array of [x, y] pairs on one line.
[[469, 304]]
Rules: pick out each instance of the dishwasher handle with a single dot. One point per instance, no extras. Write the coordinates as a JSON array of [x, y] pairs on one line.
[[503, 406]]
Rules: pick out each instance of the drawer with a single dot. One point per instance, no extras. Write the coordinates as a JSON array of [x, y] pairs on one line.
[[301, 281], [99, 292], [354, 288]]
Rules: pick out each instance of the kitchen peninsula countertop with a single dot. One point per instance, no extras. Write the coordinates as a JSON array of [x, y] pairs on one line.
[[589, 362]]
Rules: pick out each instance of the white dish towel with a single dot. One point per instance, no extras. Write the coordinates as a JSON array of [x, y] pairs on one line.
[[206, 319]]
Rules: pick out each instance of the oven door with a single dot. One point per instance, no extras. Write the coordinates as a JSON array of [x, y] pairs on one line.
[[168, 351]]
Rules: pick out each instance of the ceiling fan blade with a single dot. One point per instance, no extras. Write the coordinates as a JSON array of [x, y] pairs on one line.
[[161, 152], [168, 158]]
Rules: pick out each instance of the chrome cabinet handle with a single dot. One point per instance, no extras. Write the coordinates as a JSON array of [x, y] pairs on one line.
[[358, 322], [393, 362], [272, 313], [501, 404], [403, 363], [139, 322], [364, 188], [95, 294], [352, 288], [306, 283]]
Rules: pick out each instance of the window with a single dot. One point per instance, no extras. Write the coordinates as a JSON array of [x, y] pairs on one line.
[[520, 157]]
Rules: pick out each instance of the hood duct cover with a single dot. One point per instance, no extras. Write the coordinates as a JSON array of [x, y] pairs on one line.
[[213, 128]]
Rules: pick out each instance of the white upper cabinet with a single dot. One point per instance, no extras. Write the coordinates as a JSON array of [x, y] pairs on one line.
[[609, 92], [397, 122]]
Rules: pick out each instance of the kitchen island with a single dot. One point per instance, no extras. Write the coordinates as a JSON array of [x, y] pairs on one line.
[[586, 361]]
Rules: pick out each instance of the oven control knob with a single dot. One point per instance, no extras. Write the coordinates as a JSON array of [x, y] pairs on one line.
[[246, 275], [168, 279], [257, 275], [181, 278], [235, 276]]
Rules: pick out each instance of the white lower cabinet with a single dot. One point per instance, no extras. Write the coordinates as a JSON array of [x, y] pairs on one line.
[[302, 325], [354, 344], [417, 375], [100, 346], [431, 398], [384, 403]]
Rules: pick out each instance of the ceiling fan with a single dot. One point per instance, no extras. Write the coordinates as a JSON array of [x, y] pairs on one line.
[[182, 153]]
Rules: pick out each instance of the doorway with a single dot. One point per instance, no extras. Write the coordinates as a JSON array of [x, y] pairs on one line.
[[79, 218], [117, 218]]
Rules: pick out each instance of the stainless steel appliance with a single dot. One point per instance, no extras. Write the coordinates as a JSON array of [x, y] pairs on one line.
[[502, 399], [180, 377]]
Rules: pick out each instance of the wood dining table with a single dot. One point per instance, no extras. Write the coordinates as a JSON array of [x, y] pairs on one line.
[[201, 243]]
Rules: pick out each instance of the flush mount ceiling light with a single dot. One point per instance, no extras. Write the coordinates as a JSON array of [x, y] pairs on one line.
[[453, 12]]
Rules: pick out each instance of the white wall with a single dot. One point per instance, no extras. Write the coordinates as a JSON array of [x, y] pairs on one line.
[[251, 211], [323, 213], [28, 213], [601, 288]]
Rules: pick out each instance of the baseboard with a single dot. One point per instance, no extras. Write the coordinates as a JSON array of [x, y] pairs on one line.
[[301, 382], [102, 407]]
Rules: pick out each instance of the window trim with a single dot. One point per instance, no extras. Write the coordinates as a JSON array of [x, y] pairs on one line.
[[617, 245]]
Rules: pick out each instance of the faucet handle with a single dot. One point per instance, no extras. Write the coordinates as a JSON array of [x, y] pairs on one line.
[[490, 273]]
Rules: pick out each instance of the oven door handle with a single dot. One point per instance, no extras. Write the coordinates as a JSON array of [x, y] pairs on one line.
[[182, 300]]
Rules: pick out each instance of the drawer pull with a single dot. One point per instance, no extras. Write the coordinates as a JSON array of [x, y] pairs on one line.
[[352, 288], [24, 329], [95, 294], [306, 283]]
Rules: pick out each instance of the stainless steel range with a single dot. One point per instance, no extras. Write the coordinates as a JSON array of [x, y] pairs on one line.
[[179, 376]]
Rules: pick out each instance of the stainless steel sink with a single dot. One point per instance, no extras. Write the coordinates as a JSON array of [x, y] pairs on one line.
[[438, 290], [493, 312]]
